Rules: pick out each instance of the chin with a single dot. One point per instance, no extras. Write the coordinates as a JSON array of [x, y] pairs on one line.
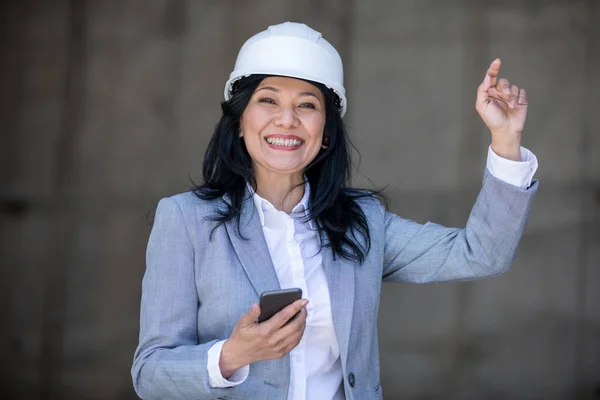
[[287, 166], [286, 169]]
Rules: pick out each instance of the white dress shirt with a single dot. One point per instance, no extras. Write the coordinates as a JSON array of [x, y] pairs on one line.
[[315, 367]]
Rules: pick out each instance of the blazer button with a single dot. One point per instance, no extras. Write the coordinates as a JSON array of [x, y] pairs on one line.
[[351, 379]]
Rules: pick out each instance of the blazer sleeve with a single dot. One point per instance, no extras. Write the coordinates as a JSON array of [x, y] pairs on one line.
[[485, 247], [169, 363]]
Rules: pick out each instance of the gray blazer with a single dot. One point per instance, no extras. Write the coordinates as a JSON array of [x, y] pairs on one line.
[[195, 289]]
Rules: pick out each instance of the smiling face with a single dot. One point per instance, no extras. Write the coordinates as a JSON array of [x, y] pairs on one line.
[[282, 126]]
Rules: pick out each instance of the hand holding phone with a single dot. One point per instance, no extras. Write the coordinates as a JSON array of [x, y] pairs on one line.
[[276, 300], [280, 332]]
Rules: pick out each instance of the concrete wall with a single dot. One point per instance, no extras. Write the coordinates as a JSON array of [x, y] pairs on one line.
[[107, 106]]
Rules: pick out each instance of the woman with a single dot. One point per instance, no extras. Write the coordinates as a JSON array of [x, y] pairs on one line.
[[275, 212]]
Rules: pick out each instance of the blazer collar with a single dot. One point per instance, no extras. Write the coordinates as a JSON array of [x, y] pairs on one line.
[[251, 247], [263, 205]]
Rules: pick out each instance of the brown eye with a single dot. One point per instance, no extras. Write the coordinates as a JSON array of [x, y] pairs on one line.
[[308, 105], [266, 100]]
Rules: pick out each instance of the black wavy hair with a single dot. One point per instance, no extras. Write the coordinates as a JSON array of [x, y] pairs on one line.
[[333, 206]]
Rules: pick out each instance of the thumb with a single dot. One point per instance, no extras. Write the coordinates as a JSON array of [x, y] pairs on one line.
[[250, 317]]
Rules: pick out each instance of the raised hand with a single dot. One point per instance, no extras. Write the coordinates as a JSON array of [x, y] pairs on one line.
[[250, 341], [503, 108]]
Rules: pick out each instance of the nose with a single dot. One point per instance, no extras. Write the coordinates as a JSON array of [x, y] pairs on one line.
[[287, 118]]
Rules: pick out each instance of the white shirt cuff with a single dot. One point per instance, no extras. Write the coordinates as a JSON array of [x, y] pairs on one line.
[[215, 379], [516, 173]]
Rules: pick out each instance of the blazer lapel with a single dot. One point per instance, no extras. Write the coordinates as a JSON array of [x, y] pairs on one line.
[[252, 250], [340, 280]]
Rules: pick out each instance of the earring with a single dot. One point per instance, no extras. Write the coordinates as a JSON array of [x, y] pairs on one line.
[[325, 144]]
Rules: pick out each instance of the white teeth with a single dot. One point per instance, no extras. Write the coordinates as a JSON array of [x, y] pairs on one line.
[[284, 142]]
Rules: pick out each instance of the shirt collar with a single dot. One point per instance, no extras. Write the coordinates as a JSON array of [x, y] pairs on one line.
[[300, 210]]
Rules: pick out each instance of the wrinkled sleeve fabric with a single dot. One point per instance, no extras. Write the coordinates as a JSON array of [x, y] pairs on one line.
[[487, 246], [169, 362]]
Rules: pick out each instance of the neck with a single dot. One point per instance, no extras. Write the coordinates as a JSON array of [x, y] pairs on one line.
[[280, 190]]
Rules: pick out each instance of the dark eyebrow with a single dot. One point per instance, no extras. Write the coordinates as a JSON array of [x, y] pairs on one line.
[[310, 94], [272, 89]]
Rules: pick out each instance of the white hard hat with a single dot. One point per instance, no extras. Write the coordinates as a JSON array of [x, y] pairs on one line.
[[294, 50]]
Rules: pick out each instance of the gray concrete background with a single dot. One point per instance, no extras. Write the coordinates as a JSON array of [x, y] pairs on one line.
[[107, 106]]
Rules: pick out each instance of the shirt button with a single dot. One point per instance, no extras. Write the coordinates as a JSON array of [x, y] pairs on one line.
[[351, 379]]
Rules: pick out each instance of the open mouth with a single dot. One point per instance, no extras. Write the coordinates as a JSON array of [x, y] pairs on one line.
[[284, 142]]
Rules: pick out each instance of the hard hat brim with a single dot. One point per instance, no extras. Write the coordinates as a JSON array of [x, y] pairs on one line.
[[288, 74]]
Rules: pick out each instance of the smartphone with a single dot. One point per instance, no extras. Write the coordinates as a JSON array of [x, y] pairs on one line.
[[276, 300]]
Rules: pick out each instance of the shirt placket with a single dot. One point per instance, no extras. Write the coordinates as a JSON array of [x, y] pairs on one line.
[[297, 355]]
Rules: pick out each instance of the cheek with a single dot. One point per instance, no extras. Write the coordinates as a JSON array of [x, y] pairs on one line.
[[315, 126], [253, 120]]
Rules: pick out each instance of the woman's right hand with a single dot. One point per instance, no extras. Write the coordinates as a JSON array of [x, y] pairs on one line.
[[250, 341]]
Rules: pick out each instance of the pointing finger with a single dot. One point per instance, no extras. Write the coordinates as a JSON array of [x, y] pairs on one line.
[[493, 71]]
